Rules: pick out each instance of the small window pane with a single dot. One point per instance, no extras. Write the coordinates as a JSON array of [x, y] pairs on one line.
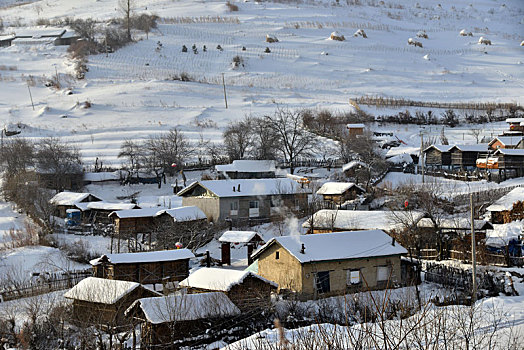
[[253, 204], [382, 273], [354, 277], [277, 255]]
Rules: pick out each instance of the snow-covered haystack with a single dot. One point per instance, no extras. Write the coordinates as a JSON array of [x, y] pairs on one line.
[[337, 36], [464, 32], [484, 41], [522, 43], [426, 57], [413, 42], [361, 33], [271, 39], [422, 34]]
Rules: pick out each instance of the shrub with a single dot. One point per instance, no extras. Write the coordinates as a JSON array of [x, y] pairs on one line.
[[231, 7]]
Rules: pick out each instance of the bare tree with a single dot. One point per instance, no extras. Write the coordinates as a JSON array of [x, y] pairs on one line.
[[126, 8], [170, 150], [238, 138], [476, 133], [294, 140], [131, 151], [264, 140], [145, 23], [17, 155]]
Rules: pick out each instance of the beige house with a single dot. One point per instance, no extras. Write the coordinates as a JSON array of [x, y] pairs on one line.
[[245, 200], [331, 264]]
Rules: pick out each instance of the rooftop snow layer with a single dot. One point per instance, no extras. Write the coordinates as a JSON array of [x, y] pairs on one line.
[[146, 257], [457, 223], [441, 148], [102, 176], [68, 198], [508, 140], [38, 32], [237, 236], [501, 235], [355, 126], [336, 188], [338, 246], [506, 202], [248, 187], [359, 219], [101, 290], [510, 152], [352, 164], [109, 206], [188, 213], [212, 278], [185, 307], [138, 213], [481, 147], [248, 166]]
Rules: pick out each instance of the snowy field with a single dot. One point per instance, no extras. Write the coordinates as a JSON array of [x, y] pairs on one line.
[[133, 95]]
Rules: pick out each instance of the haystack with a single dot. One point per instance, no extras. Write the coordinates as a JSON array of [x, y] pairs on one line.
[[271, 39], [463, 32], [361, 33], [484, 41], [413, 42], [422, 34], [337, 36], [522, 43]]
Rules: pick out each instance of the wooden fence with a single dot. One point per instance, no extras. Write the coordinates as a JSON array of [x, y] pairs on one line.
[[44, 284]]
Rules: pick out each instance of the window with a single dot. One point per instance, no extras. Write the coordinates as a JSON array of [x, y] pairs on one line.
[[277, 255], [322, 282], [253, 209], [382, 273], [233, 208], [353, 277]]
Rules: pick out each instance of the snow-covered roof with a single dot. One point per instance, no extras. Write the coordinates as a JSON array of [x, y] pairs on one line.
[[103, 176], [353, 164], [179, 214], [110, 206], [70, 34], [501, 235], [514, 120], [506, 202], [101, 290], [7, 37], [248, 187], [185, 307], [402, 150], [248, 166], [356, 125], [145, 257], [401, 159], [510, 152], [213, 278], [441, 148], [237, 236], [33, 41], [182, 214], [480, 147], [39, 32], [337, 246], [336, 188], [508, 140], [70, 198], [359, 219], [456, 223]]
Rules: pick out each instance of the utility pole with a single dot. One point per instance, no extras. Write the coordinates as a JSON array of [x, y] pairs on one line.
[[30, 96], [224, 86], [473, 251], [422, 154], [57, 80]]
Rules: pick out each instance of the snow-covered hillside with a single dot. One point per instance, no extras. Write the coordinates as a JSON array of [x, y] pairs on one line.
[[133, 95]]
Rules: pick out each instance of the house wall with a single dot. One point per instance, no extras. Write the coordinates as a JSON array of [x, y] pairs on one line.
[[209, 205], [148, 273], [131, 226], [286, 271]]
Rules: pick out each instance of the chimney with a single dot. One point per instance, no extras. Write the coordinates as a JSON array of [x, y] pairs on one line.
[[233, 188], [303, 249], [238, 189], [393, 241]]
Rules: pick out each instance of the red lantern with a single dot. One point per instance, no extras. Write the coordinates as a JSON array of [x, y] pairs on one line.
[[406, 203], [178, 245]]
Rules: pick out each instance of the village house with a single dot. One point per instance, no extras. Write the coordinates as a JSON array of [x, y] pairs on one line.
[[144, 267], [98, 212], [506, 142], [101, 302], [508, 208], [248, 201], [247, 169], [103, 178], [332, 220], [144, 221], [509, 162], [516, 125], [438, 156], [337, 193], [71, 200], [43, 36], [164, 320], [464, 157], [246, 289], [5, 40], [331, 264], [249, 239]]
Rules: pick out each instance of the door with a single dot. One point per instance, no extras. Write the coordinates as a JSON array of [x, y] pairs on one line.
[[322, 282]]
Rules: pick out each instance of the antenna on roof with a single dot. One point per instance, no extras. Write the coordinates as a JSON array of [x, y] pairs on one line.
[[303, 249], [238, 189], [393, 241], [233, 188]]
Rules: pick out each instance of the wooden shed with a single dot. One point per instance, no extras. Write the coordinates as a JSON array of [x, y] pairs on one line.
[[101, 302], [337, 193], [508, 208], [145, 267], [510, 162], [438, 156], [249, 239], [246, 289], [464, 157], [168, 319], [355, 129], [71, 200]]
